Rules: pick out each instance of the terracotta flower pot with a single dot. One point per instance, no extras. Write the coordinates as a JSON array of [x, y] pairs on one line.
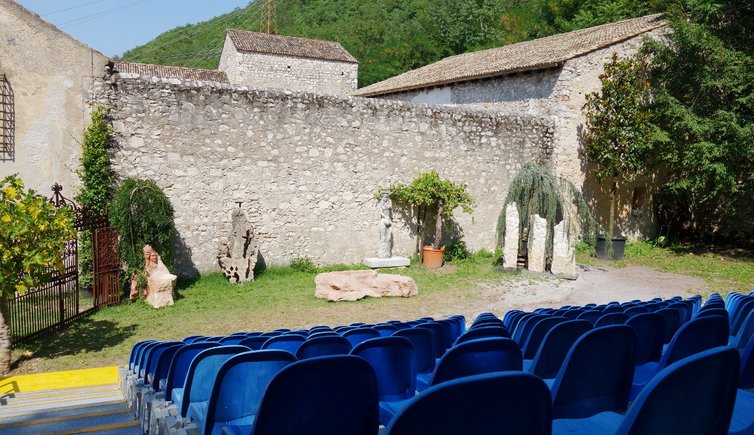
[[432, 258]]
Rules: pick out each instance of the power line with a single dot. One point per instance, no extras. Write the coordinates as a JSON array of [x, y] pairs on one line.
[[99, 14], [197, 59], [71, 8]]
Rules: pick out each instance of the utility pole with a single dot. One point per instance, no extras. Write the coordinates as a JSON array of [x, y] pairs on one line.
[[267, 17]]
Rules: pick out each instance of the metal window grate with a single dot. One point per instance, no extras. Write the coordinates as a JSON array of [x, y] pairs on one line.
[[7, 121]]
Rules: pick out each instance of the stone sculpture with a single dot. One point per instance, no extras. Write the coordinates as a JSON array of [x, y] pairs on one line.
[[386, 227], [238, 257], [510, 243], [160, 282], [536, 244], [563, 257], [357, 284]]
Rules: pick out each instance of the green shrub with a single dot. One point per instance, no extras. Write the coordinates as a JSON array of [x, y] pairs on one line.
[[457, 251], [144, 216], [640, 248], [303, 264]]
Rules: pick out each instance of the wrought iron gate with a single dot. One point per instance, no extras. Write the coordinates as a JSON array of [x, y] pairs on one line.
[[53, 305]]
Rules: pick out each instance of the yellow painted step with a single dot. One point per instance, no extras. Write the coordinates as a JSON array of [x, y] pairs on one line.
[[59, 380]]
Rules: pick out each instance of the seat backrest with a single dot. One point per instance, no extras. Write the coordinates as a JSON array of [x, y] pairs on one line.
[[474, 357], [524, 327], [537, 334], [254, 343], [180, 364], [438, 338], [142, 355], [151, 358], [448, 332], [611, 319], [591, 316], [694, 396], [742, 310], [232, 339], [394, 363], [510, 318], [695, 336], [385, 330], [612, 309], [597, 373], [323, 345], [672, 319], [513, 403], [135, 351], [356, 336], [202, 372], [636, 310], [288, 343], [573, 314], [421, 338], [162, 366], [239, 386], [746, 379], [745, 332], [555, 346], [483, 332], [650, 333], [712, 312], [684, 309], [320, 396]]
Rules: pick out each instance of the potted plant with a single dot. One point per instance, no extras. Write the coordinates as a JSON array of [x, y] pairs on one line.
[[617, 137], [427, 196]]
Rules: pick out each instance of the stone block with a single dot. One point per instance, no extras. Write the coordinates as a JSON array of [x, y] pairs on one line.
[[510, 241], [536, 243], [377, 263], [160, 282], [563, 257], [357, 284]]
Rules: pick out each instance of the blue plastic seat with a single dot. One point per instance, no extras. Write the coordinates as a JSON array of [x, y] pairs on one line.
[[512, 403], [328, 395], [288, 343], [232, 339], [672, 318], [693, 396], [712, 312], [633, 311], [650, 333], [324, 334], [510, 317], [394, 363], [152, 356], [474, 357], [141, 357], [555, 346], [238, 389], [537, 334], [693, 337], [135, 352], [573, 314], [179, 366], [254, 343], [421, 339], [356, 336], [385, 330], [322, 345], [596, 374], [746, 379], [162, 366], [438, 338], [611, 319], [591, 316], [524, 327], [200, 378], [741, 312], [483, 332]]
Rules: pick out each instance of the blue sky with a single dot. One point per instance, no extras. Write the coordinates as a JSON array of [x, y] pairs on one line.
[[114, 26]]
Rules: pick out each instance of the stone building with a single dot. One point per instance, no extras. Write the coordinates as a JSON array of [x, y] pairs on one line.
[[45, 80], [262, 60], [547, 77]]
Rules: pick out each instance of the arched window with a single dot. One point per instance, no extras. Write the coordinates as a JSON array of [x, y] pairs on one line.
[[7, 120]]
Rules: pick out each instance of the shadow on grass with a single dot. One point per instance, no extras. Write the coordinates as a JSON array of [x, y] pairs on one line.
[[81, 336], [742, 251]]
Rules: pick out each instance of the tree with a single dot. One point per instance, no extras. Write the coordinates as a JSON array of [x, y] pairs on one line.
[[97, 179], [617, 136], [702, 81], [33, 234], [428, 194]]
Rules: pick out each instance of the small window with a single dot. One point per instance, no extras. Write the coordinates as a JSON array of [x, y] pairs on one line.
[[289, 67], [7, 120], [637, 200]]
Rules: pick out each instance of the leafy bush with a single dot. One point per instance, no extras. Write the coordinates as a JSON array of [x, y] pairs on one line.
[[457, 251], [303, 264], [144, 216], [639, 248]]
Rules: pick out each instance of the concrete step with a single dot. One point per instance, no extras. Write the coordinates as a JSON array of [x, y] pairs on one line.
[[95, 420]]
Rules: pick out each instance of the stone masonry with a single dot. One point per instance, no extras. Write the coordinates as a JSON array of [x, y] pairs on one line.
[[307, 166]]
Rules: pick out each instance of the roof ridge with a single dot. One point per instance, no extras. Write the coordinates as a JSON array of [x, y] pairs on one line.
[[296, 46]]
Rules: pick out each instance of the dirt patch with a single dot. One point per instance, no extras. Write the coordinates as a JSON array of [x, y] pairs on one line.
[[598, 285]]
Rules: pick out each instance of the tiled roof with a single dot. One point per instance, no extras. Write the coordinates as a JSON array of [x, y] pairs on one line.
[[289, 46], [178, 72], [523, 56]]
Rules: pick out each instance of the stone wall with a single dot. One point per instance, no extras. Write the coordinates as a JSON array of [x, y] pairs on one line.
[[50, 74], [559, 94], [261, 70], [306, 167]]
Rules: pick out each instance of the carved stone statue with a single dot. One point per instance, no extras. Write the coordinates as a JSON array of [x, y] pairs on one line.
[[386, 226], [238, 257]]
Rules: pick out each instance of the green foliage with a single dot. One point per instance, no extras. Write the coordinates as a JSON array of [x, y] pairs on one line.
[[97, 181], [457, 251], [390, 37], [617, 136], [428, 194], [303, 264], [535, 190], [639, 248], [33, 234], [143, 215], [703, 94]]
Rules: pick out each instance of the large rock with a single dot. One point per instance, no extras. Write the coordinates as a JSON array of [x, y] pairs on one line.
[[563, 257], [160, 282], [510, 242], [357, 284], [536, 243], [238, 257]]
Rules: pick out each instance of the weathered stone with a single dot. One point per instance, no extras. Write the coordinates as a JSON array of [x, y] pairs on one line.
[[160, 282], [238, 258], [536, 243], [386, 226], [563, 258], [377, 263], [357, 284], [510, 242]]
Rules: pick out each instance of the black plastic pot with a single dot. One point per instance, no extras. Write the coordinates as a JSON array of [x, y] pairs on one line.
[[86, 291], [619, 245]]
